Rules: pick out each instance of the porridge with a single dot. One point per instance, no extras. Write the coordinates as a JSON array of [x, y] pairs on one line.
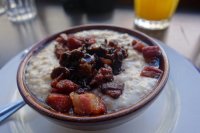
[[93, 72]]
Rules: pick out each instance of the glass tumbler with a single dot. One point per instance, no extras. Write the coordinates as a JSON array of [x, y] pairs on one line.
[[154, 14], [2, 6], [21, 10]]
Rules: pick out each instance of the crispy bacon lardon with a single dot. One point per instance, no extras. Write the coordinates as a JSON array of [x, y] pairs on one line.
[[59, 102], [152, 72], [65, 87], [87, 104], [150, 52], [73, 42]]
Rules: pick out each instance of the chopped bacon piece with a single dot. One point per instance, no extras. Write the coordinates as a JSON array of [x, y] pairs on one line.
[[60, 40], [59, 102], [64, 36], [134, 42], [87, 104], [150, 52], [138, 46], [89, 41], [65, 87], [152, 72], [73, 42], [60, 48]]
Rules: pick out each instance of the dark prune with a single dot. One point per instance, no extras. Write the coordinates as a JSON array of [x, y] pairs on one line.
[[85, 70], [60, 71], [64, 59], [99, 51], [119, 55], [105, 61], [71, 59]]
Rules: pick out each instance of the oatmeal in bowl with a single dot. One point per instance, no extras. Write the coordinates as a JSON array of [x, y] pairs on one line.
[[93, 74]]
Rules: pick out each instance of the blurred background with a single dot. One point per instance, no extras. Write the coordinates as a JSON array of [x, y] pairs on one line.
[[52, 16]]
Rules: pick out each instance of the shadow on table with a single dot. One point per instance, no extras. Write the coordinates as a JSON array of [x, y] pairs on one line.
[[158, 34], [100, 17], [76, 17], [88, 11], [79, 17]]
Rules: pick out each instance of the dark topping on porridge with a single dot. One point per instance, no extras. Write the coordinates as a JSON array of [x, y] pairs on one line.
[[152, 56], [71, 42], [70, 59], [103, 75], [91, 64], [86, 65], [61, 47], [60, 71]]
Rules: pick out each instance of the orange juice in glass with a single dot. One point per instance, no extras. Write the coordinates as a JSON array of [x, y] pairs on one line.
[[154, 14]]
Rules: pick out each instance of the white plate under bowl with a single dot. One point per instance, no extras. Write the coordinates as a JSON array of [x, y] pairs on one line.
[[176, 109]]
